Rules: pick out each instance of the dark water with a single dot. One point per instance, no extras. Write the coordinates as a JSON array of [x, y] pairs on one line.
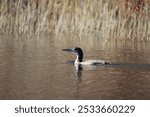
[[37, 69]]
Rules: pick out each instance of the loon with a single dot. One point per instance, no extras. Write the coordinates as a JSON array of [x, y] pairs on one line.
[[79, 60]]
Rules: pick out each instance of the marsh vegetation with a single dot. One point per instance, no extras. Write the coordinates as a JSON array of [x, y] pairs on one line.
[[103, 20]]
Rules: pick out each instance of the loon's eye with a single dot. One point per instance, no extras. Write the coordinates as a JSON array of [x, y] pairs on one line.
[[75, 49]]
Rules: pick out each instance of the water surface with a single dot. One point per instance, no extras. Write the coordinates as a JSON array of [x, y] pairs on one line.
[[37, 69]]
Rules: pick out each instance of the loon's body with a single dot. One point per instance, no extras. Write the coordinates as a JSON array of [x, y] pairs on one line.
[[79, 60]]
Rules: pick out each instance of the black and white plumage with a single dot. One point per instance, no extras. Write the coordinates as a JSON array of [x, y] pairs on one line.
[[79, 60]]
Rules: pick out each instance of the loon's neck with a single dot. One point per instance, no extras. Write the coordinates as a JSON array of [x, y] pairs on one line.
[[78, 60]]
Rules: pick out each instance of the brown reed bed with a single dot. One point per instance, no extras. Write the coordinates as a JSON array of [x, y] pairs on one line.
[[103, 20]]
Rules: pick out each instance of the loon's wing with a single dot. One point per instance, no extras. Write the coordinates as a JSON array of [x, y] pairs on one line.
[[95, 62]]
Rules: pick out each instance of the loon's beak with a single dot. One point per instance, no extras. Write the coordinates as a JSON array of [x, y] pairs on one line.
[[68, 50]]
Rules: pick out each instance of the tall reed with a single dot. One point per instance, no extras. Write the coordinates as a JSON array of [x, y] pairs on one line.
[[103, 20]]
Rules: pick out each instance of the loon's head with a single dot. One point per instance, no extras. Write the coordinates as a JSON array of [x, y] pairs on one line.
[[78, 51]]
